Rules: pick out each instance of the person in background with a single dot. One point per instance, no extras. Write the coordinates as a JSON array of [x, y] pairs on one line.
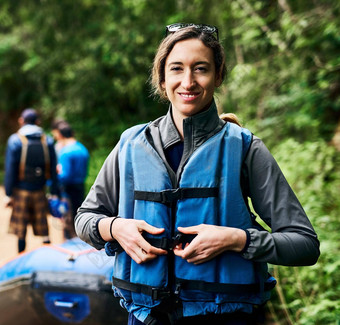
[[72, 168], [30, 162], [56, 134], [171, 202]]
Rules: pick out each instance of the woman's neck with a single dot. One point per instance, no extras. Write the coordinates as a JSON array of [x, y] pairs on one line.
[[179, 118]]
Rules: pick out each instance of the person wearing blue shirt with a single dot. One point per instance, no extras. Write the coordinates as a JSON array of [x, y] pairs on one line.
[[72, 167]]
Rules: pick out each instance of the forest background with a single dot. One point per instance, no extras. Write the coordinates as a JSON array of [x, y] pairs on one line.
[[89, 62]]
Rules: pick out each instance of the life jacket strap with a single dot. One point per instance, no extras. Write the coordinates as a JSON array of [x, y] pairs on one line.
[[167, 197], [113, 247], [157, 293], [226, 288], [154, 292], [169, 244]]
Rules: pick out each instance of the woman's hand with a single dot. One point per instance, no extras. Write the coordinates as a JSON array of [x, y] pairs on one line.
[[210, 242], [128, 232]]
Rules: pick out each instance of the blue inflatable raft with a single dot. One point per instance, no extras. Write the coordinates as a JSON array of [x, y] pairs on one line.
[[59, 284]]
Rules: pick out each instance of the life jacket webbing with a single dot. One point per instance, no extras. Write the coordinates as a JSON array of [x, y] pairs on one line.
[[111, 248], [169, 244], [181, 284], [23, 157], [155, 293], [226, 288], [169, 196]]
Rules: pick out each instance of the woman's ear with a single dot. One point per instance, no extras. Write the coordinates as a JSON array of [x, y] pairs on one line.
[[163, 90], [218, 79]]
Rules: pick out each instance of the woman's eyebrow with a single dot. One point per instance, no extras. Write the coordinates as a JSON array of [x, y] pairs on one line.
[[175, 62], [202, 62], [195, 63]]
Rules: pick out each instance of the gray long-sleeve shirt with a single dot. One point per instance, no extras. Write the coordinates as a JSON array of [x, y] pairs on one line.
[[292, 241]]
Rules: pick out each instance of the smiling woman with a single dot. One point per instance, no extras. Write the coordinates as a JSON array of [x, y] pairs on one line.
[[171, 202], [190, 79]]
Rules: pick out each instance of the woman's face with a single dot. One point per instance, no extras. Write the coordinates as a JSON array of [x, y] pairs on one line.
[[190, 77]]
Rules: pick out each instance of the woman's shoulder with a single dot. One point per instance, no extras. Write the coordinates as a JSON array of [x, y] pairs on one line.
[[133, 130], [259, 157]]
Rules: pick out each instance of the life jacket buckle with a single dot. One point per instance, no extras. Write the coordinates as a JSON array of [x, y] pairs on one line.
[[177, 291], [157, 293], [176, 240], [169, 196], [154, 293]]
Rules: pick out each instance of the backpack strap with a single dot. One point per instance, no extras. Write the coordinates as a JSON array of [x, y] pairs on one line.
[[23, 157], [46, 156], [24, 142]]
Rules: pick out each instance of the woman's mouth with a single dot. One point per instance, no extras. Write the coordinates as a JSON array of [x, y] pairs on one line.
[[189, 96]]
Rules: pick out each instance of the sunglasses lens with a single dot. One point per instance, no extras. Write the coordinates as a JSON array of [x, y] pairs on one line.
[[175, 27], [205, 28]]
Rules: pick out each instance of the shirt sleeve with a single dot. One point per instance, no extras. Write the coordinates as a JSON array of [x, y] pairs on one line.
[[292, 241], [101, 202], [54, 187], [12, 161]]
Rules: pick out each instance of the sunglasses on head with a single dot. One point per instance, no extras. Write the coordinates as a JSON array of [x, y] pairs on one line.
[[209, 29]]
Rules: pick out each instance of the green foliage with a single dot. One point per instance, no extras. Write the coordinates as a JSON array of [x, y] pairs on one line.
[[312, 293], [96, 162], [285, 79]]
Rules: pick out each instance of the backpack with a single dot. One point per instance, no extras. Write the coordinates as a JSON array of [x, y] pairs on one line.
[[35, 159]]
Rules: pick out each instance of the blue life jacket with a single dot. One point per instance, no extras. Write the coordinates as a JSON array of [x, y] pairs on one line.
[[208, 192]]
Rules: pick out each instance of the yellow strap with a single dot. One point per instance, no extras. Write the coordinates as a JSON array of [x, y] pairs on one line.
[[46, 156], [23, 156]]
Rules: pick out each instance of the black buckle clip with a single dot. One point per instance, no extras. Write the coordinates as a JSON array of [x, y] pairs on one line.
[[169, 196], [176, 240], [157, 294], [177, 291], [154, 293]]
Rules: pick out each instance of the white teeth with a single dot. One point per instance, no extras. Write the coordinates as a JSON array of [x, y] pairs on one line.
[[188, 96]]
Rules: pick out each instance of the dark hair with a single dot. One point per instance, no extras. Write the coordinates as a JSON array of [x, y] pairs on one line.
[[56, 122], [65, 129], [30, 116], [166, 46]]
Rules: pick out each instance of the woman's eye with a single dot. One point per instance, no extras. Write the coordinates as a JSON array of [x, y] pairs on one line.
[[203, 69], [175, 68]]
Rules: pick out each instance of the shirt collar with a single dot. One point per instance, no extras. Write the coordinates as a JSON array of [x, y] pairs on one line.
[[202, 125], [30, 130]]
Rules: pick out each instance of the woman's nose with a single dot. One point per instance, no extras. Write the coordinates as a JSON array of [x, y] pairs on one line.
[[188, 80]]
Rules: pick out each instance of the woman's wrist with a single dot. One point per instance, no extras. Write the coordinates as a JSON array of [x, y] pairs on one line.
[[105, 228], [112, 221], [241, 239]]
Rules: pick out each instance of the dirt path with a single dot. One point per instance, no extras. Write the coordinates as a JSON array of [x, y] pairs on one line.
[[8, 242]]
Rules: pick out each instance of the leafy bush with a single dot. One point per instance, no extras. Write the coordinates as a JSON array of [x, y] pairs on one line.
[[310, 295]]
